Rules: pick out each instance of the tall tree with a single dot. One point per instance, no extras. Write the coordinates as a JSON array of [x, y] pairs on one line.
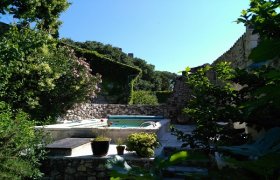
[[43, 13]]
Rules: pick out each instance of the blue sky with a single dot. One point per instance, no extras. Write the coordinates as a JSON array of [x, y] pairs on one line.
[[170, 34]]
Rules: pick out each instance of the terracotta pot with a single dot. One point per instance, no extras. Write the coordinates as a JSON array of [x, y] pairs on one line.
[[120, 149]]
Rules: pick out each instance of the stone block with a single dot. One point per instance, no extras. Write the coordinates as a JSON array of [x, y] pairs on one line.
[[68, 146]]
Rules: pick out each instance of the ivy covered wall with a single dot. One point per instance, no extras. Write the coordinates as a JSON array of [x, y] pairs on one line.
[[117, 78]]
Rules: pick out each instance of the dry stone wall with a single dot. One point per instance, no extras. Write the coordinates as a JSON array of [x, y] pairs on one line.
[[87, 167], [91, 111], [238, 54], [178, 99]]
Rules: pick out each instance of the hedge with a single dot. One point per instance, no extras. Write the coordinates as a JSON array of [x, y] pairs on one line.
[[163, 96]]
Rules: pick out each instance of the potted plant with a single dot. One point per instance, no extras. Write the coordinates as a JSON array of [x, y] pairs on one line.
[[120, 146], [143, 143], [100, 145]]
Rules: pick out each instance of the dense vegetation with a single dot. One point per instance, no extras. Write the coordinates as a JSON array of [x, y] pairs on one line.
[[21, 146], [249, 95], [43, 14], [144, 97], [40, 80], [150, 79], [42, 77], [263, 16], [117, 78]]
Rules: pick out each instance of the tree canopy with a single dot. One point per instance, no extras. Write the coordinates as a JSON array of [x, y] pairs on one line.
[[44, 14], [150, 80]]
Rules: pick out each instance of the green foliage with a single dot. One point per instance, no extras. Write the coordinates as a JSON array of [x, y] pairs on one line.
[[101, 138], [264, 17], [120, 142], [213, 101], [152, 80], [257, 102], [266, 50], [42, 79], [265, 167], [101, 64], [21, 147], [144, 97], [149, 79], [260, 102], [44, 14], [118, 78], [166, 81], [119, 169], [143, 143], [260, 93], [108, 51], [163, 96]]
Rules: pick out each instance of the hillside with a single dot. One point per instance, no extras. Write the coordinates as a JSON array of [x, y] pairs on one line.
[[149, 80]]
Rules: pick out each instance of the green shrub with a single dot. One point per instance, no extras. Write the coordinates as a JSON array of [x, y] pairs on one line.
[[42, 79], [143, 143], [20, 152], [144, 98], [163, 96]]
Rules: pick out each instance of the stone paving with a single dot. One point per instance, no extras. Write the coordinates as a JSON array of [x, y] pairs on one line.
[[170, 140]]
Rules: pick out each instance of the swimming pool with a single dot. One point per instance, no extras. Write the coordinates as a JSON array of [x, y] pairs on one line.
[[120, 126], [126, 121]]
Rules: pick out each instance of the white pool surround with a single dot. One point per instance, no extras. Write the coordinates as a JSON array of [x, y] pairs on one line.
[[91, 128]]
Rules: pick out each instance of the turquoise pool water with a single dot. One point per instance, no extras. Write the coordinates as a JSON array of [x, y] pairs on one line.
[[128, 123]]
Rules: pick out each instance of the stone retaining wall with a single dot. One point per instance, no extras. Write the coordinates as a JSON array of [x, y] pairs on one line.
[[238, 54], [88, 168], [178, 99], [91, 111]]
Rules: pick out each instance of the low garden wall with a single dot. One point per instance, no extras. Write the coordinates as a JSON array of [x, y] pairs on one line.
[[91, 111], [88, 167]]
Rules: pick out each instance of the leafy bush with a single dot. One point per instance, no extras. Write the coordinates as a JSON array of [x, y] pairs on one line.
[[21, 148], [144, 98], [212, 102], [263, 16], [266, 50], [260, 96], [42, 79], [163, 96], [143, 143]]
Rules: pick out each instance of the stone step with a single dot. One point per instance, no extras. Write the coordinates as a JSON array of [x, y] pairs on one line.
[[68, 146]]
